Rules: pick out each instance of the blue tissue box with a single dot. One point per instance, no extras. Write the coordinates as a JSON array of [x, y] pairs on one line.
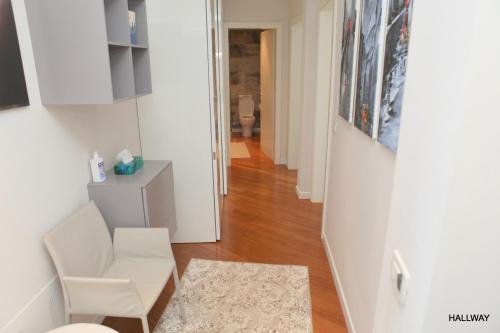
[[130, 168]]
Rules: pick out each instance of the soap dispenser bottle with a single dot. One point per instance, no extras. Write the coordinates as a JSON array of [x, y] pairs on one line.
[[97, 167]]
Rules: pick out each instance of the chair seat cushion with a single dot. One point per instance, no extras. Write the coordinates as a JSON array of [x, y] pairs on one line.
[[149, 276]]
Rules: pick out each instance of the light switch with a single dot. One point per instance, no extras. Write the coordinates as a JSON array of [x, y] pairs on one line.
[[400, 277]]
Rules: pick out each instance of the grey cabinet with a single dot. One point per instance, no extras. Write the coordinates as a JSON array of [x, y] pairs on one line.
[[143, 200], [83, 50]]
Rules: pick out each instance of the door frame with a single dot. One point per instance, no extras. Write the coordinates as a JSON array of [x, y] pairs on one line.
[[220, 91], [320, 156], [338, 16], [294, 24], [219, 185], [279, 112]]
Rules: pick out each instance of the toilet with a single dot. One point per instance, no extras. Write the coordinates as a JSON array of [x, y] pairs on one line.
[[246, 112]]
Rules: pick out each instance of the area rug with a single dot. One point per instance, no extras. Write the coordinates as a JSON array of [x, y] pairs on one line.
[[232, 297], [239, 150]]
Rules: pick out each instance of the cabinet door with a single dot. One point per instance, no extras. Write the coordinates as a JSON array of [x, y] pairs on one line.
[[159, 202], [120, 207]]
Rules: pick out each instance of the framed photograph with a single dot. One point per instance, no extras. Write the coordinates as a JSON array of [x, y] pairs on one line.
[[394, 74], [348, 62], [368, 66], [13, 92]]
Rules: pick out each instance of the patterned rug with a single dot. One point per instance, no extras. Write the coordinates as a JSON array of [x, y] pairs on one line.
[[235, 297]]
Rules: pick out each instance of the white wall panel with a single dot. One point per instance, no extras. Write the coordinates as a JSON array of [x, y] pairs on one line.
[[175, 119]]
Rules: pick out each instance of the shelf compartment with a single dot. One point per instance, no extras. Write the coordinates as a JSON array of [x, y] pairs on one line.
[[116, 12], [88, 57], [122, 74], [142, 71], [139, 7]]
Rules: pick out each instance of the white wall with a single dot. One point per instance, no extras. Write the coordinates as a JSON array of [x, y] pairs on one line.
[[175, 119], [310, 59], [295, 10], [295, 91], [267, 91], [296, 82], [44, 173], [314, 110], [358, 195], [275, 11], [444, 215], [255, 11], [439, 209], [356, 212], [465, 278], [323, 85]]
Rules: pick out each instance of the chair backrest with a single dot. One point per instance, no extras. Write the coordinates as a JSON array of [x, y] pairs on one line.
[[81, 246]]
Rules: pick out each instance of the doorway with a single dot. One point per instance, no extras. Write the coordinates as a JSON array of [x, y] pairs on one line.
[[214, 28], [252, 90], [253, 81]]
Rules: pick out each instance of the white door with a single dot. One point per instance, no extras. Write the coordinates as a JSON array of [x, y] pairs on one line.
[[175, 120], [217, 119], [267, 90]]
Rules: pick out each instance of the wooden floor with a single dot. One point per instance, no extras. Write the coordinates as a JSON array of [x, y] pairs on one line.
[[263, 222]]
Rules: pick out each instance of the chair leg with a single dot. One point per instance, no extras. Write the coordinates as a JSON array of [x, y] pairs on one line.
[[145, 325], [179, 295]]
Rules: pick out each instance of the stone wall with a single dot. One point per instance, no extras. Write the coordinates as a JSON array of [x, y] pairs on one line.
[[244, 68]]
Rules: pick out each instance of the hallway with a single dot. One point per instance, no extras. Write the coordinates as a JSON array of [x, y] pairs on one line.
[[264, 222]]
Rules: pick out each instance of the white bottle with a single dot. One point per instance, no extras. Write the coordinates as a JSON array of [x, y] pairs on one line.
[[97, 167]]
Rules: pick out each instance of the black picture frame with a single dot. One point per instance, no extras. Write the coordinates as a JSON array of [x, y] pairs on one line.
[[13, 91]]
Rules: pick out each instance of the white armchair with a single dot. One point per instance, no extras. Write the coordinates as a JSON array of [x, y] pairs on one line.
[[123, 278]]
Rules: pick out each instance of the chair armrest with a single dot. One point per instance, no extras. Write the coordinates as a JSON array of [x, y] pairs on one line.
[[142, 243], [102, 296]]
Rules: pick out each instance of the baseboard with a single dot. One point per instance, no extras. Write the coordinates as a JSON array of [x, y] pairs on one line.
[[239, 130], [315, 198], [44, 312], [302, 195], [338, 285]]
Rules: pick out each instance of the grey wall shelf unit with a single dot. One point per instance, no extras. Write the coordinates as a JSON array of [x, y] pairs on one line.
[[143, 200], [83, 52]]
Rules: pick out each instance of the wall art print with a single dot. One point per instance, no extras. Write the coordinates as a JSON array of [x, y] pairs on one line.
[[395, 62], [347, 63], [367, 81], [13, 92]]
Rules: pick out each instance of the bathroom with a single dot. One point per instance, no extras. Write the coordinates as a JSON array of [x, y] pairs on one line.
[[244, 69], [246, 64]]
